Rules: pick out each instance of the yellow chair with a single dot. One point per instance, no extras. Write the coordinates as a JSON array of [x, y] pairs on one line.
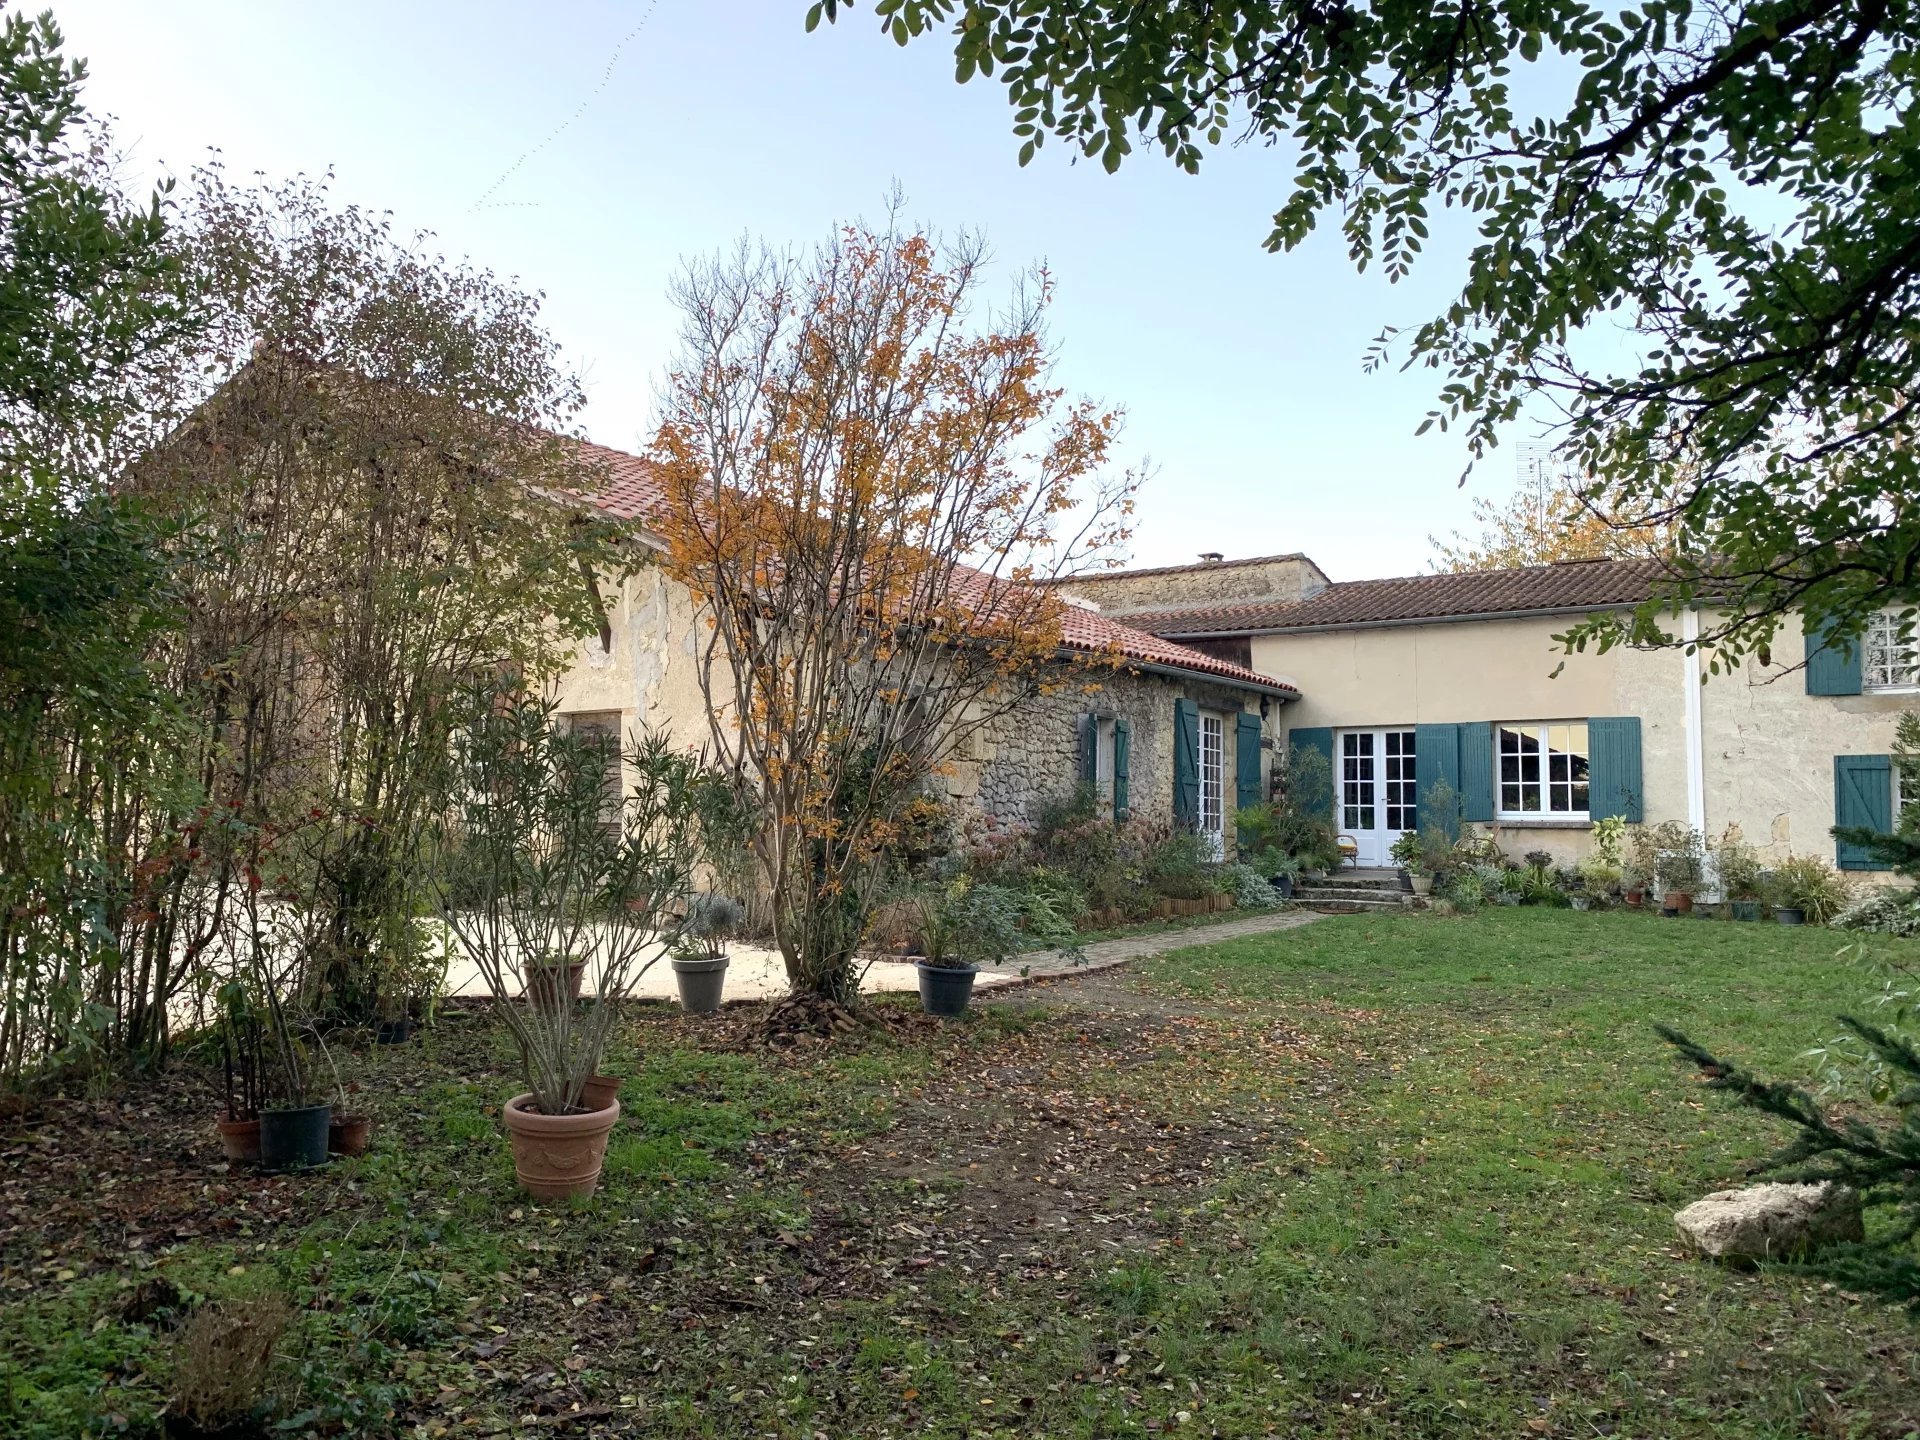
[[1349, 851]]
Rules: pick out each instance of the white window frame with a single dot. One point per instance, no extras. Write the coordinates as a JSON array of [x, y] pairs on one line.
[[1213, 779], [1541, 731], [1894, 658]]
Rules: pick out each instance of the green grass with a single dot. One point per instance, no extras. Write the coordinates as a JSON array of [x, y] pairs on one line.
[[1434, 1198]]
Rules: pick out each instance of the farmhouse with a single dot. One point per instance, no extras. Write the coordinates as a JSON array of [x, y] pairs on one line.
[[1166, 731], [1456, 676]]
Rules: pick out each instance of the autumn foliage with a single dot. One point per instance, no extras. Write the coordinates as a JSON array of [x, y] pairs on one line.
[[866, 479]]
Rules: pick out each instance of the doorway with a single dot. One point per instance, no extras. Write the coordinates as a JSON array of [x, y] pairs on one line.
[[1379, 790]]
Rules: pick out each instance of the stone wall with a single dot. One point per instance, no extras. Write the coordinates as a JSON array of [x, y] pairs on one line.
[[1033, 754], [1280, 578]]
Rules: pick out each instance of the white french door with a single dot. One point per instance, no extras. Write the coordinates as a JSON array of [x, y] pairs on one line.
[[1213, 775], [1379, 790]]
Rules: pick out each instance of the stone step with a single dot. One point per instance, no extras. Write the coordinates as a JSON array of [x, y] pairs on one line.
[[1352, 907], [1379, 895], [1361, 880]]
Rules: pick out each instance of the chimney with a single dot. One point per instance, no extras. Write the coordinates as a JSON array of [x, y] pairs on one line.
[[1211, 557]]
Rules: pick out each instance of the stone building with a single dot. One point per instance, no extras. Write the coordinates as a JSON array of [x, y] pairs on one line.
[[1168, 731]]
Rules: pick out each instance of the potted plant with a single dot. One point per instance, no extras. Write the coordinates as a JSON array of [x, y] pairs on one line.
[[536, 860], [1678, 866], [700, 966], [243, 1044], [554, 980], [294, 1115], [1806, 890], [1410, 855], [1738, 866], [963, 925]]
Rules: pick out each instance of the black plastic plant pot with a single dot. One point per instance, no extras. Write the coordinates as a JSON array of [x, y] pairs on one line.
[[1282, 885], [1789, 915], [394, 1032], [294, 1139], [945, 989]]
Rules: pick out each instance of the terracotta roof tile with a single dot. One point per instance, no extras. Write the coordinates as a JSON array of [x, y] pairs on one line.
[[633, 491], [1571, 586]]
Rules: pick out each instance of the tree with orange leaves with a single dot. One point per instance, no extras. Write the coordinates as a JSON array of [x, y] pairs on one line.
[[1548, 519], [867, 480]]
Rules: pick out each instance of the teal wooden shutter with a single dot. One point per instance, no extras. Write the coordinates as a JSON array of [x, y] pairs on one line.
[[1246, 761], [1862, 795], [1476, 771], [1122, 757], [1318, 737], [1186, 764], [1436, 757], [1613, 768], [1833, 666], [1089, 749]]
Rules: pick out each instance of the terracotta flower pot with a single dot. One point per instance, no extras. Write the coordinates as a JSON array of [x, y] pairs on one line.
[[544, 983], [555, 1156], [349, 1134], [600, 1091], [240, 1139], [1678, 901]]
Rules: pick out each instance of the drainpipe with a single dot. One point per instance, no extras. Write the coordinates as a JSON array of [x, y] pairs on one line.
[[1696, 742]]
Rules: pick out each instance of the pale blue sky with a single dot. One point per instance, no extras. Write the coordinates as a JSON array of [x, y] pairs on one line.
[[1240, 371]]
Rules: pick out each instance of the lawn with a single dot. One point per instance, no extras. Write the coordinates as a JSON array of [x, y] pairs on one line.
[[1377, 1176]]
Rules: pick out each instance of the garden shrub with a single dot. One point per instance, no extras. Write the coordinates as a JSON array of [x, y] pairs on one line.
[[1883, 912], [1182, 867], [1250, 889]]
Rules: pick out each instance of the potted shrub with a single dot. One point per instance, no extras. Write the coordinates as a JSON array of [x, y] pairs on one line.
[[700, 965], [1738, 866], [1678, 866], [541, 861], [294, 1115], [963, 925], [243, 1045], [1804, 889], [1410, 854]]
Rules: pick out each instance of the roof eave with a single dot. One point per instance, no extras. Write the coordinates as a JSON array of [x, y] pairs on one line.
[[1396, 623], [1182, 672]]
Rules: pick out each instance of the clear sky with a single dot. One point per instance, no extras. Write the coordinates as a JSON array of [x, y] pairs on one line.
[[1240, 371]]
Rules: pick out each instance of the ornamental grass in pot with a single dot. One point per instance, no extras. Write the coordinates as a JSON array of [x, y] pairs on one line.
[[543, 858]]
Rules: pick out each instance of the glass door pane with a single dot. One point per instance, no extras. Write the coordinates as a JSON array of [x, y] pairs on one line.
[[1357, 779]]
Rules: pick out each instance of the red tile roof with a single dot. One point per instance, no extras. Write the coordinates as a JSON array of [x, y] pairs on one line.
[[632, 491], [1567, 588]]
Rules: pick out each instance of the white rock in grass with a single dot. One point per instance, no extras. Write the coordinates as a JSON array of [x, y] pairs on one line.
[[1769, 1222]]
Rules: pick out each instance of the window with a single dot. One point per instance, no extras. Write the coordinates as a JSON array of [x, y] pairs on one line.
[[1892, 661], [1543, 770], [1213, 771], [602, 727]]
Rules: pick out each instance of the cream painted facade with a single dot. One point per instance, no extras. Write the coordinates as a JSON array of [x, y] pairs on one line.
[[649, 675], [1765, 748]]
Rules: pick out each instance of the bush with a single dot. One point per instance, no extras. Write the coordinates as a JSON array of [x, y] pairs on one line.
[[223, 1358], [1807, 883], [1884, 912], [1738, 866], [1466, 891], [1249, 888], [1182, 867]]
